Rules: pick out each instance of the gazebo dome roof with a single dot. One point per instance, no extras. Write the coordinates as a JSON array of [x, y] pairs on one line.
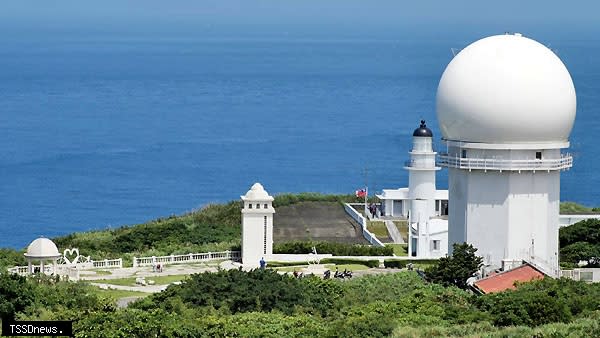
[[42, 248]]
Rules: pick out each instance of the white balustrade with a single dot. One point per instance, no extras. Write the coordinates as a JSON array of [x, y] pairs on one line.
[[187, 258], [107, 264], [67, 269], [363, 224], [590, 275]]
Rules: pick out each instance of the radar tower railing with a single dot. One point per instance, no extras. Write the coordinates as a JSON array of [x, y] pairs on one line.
[[564, 162]]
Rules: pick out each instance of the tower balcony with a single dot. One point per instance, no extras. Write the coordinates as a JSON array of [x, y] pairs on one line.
[[565, 161], [420, 165]]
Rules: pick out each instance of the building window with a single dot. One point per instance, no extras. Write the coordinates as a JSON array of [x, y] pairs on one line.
[[436, 245], [538, 155], [249, 205], [444, 207], [265, 236], [266, 206], [463, 153], [257, 206]]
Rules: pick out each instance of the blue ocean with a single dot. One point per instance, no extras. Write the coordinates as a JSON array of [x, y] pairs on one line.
[[109, 130]]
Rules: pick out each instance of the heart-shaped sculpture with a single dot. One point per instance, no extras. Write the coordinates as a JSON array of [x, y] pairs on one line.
[[71, 256]]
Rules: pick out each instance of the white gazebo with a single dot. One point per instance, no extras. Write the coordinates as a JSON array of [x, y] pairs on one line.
[[42, 250]]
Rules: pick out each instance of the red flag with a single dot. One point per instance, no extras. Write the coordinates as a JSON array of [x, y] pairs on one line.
[[361, 193]]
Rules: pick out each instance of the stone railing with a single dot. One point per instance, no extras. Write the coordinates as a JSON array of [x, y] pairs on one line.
[[363, 224], [63, 268], [108, 264], [23, 270], [187, 258]]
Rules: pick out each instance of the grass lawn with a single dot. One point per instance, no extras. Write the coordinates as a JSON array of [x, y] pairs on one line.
[[341, 267], [158, 280], [403, 228], [399, 249], [378, 228], [422, 266], [351, 267]]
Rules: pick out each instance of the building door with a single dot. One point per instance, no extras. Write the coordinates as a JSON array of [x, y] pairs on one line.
[[397, 209]]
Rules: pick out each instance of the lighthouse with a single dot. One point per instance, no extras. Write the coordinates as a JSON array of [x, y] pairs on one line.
[[422, 191], [421, 206]]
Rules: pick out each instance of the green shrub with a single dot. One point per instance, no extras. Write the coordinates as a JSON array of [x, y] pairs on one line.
[[373, 263], [258, 290], [580, 241], [284, 264], [422, 261], [541, 302], [10, 258], [394, 263], [336, 249], [457, 268], [15, 294]]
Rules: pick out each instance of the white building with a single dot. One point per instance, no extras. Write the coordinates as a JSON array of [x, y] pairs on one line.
[[506, 106], [421, 204], [257, 226]]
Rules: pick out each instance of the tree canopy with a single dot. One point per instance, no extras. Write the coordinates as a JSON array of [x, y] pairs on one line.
[[456, 268], [580, 242]]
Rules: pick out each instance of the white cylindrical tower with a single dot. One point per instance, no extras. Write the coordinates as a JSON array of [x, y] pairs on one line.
[[257, 226], [506, 106], [421, 186]]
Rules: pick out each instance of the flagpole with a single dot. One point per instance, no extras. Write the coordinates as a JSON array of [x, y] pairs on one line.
[[366, 191]]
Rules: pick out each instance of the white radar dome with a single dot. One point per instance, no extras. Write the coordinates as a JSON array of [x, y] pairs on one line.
[[506, 89]]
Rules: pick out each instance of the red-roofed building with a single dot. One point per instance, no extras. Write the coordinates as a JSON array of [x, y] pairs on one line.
[[506, 280]]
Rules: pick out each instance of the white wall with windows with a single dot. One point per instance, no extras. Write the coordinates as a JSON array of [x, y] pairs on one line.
[[257, 226]]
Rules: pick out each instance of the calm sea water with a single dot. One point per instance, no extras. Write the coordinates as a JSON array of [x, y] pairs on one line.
[[110, 131]]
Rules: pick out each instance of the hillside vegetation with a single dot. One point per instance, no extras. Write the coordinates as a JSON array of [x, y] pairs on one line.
[[215, 227], [574, 208], [266, 304], [580, 242]]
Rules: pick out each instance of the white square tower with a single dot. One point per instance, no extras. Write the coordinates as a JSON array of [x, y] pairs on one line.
[[506, 106], [257, 226]]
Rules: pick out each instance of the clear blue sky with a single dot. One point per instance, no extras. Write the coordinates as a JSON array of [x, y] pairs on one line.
[[559, 17]]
